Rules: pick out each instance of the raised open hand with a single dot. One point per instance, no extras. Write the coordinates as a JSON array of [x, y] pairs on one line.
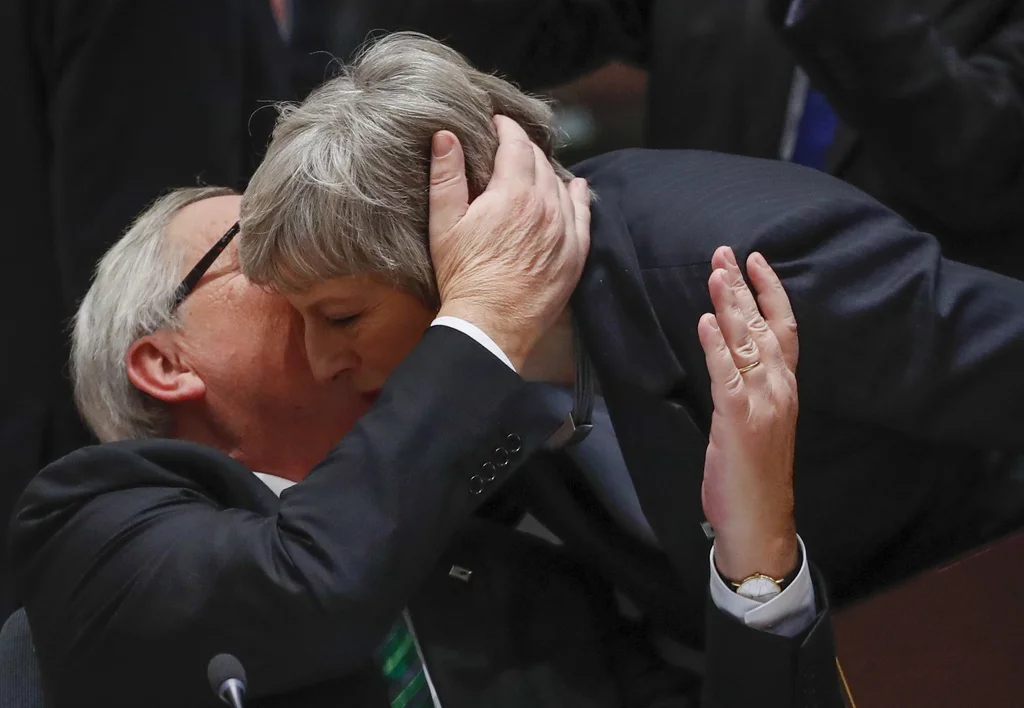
[[751, 351]]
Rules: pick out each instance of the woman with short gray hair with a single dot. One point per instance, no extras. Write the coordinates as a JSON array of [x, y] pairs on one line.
[[343, 187]]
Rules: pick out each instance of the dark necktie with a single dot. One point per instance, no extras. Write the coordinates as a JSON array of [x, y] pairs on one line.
[[400, 663]]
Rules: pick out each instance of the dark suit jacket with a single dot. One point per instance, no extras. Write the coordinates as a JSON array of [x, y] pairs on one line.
[[910, 364], [112, 103], [928, 91], [139, 561]]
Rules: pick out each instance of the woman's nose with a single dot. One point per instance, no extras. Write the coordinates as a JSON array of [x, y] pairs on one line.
[[327, 359]]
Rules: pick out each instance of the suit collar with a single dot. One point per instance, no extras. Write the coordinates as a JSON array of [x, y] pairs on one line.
[[210, 471], [274, 483], [642, 380], [562, 501], [611, 290]]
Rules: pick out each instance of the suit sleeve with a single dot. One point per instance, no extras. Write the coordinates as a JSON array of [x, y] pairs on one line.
[[892, 333], [748, 667], [947, 119], [134, 574]]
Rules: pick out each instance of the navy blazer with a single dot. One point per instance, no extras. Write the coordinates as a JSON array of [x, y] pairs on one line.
[[911, 365], [138, 561]]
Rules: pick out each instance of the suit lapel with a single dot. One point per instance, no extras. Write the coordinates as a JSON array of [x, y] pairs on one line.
[[505, 619], [562, 501], [622, 333], [664, 450], [639, 374]]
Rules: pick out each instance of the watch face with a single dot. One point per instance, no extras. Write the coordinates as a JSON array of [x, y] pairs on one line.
[[760, 589]]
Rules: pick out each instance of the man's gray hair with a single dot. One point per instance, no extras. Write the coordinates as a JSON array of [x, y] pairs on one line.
[[131, 296], [343, 189]]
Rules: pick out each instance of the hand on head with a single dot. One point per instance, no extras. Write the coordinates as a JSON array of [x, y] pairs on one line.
[[509, 261], [751, 351]]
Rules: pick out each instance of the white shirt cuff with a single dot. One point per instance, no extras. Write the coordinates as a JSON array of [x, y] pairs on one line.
[[787, 614], [475, 333]]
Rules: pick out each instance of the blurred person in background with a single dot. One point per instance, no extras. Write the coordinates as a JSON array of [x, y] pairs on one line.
[[111, 103], [918, 102]]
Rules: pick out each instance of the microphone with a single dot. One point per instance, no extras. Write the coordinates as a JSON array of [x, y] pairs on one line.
[[227, 679]]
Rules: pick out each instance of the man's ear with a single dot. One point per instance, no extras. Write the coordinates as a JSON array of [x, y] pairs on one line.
[[155, 368]]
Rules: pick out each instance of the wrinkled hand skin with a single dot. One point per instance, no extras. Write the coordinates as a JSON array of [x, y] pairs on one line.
[[748, 472], [508, 261]]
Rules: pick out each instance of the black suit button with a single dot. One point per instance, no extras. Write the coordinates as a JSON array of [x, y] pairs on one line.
[[487, 472], [500, 458], [476, 484], [513, 443]]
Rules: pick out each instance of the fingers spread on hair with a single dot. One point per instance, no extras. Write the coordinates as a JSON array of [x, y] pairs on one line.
[[579, 190], [546, 179], [449, 191], [515, 162], [567, 208], [508, 130]]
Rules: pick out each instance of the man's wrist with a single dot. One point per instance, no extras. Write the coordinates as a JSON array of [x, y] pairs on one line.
[[776, 556], [787, 614], [515, 346], [474, 333]]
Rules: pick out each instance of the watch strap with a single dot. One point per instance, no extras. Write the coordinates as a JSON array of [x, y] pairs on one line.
[[783, 583]]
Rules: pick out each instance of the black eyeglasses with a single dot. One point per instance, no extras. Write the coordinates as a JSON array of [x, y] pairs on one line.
[[186, 286]]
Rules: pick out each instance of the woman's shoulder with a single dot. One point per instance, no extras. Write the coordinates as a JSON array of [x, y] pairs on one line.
[[688, 181], [644, 163]]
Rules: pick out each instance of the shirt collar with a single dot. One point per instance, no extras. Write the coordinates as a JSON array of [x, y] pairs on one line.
[[276, 484]]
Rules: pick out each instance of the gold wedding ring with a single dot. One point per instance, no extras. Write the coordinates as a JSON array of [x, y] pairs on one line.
[[750, 367]]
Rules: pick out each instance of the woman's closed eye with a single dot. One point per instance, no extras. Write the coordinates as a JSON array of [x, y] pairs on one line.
[[343, 321]]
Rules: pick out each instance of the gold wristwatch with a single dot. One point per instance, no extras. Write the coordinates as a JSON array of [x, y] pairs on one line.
[[762, 588]]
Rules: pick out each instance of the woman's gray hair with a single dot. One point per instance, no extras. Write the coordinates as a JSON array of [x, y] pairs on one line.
[[131, 296], [343, 189]]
